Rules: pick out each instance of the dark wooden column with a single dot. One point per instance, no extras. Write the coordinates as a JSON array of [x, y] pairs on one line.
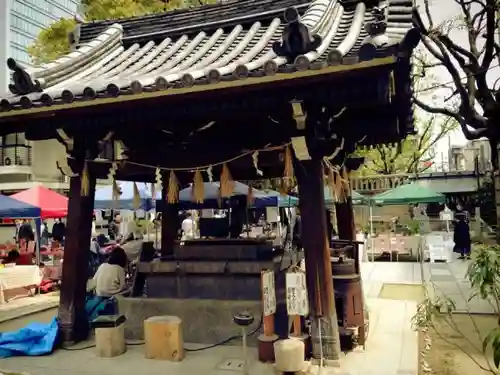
[[345, 220], [72, 317], [169, 222], [316, 246]]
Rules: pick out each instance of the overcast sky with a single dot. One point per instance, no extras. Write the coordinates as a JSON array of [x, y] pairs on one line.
[[443, 10]]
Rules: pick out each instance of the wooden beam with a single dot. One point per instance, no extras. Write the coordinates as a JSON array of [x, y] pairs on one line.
[[169, 221], [73, 320]]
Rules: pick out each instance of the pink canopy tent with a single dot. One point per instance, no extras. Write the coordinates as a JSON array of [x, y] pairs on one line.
[[51, 204]]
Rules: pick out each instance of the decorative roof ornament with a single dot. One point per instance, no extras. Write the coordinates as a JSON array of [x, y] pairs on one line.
[[296, 39], [379, 24], [22, 84], [74, 36], [377, 37]]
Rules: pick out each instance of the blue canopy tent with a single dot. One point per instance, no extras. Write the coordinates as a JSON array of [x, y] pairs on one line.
[[283, 200], [211, 200], [104, 197], [13, 209]]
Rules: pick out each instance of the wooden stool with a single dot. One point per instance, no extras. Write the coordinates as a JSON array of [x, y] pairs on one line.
[[109, 335], [163, 338]]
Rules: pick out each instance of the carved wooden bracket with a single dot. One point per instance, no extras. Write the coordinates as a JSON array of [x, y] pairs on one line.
[[298, 114]]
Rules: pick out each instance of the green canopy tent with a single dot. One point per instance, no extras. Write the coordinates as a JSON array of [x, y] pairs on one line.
[[408, 194], [356, 198], [404, 195]]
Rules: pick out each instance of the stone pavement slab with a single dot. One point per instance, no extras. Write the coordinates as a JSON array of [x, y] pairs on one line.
[[442, 279], [391, 348], [27, 305]]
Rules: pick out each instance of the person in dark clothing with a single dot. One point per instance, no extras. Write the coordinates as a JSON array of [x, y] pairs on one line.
[[58, 231], [26, 232], [12, 257], [25, 235], [297, 233], [461, 236], [114, 228]]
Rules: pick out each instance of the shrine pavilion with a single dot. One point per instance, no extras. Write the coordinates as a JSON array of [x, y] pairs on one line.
[[242, 87]]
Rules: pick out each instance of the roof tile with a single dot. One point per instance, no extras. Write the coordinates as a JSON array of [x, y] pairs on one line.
[[106, 66]]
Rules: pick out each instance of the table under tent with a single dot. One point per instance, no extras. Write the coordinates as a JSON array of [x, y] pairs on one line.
[[16, 280], [405, 233]]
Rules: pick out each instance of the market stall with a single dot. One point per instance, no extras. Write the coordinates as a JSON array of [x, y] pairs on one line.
[[52, 205], [397, 244], [18, 279]]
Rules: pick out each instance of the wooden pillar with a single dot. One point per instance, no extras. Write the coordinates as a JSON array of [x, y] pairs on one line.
[[169, 222], [345, 220], [317, 257], [72, 317]]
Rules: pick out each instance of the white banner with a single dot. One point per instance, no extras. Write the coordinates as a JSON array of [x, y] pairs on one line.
[[296, 294], [268, 293]]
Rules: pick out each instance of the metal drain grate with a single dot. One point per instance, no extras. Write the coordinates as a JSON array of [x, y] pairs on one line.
[[231, 364]]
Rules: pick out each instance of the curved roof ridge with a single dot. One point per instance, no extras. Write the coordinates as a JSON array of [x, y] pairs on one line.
[[328, 32], [49, 74], [190, 20]]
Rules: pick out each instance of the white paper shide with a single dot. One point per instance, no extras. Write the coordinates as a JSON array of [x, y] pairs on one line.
[[296, 294], [268, 293]]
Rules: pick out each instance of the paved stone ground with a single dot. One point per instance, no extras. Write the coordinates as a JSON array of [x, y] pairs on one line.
[[27, 306], [391, 350], [443, 279], [392, 347]]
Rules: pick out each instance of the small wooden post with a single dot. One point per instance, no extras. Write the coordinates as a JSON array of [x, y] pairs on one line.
[[297, 326], [267, 339], [169, 221], [345, 220]]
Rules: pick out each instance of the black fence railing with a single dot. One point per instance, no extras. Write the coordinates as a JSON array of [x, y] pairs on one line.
[[20, 155]]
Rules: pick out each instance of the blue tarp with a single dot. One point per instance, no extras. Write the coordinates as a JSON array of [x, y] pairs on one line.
[[104, 196], [33, 340], [12, 208]]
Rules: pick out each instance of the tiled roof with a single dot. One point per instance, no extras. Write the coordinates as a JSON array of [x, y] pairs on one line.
[[192, 20], [105, 66]]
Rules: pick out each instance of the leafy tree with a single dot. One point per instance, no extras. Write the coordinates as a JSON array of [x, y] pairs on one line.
[[53, 41], [475, 100], [413, 154]]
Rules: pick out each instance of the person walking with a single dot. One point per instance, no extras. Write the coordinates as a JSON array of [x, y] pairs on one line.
[[461, 236]]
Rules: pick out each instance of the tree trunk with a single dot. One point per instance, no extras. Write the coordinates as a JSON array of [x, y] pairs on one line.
[[495, 151]]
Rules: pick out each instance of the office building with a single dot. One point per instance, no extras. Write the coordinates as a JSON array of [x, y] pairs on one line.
[[23, 163]]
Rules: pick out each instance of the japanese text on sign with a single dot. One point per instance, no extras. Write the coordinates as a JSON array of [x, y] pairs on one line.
[[296, 294], [268, 293]]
